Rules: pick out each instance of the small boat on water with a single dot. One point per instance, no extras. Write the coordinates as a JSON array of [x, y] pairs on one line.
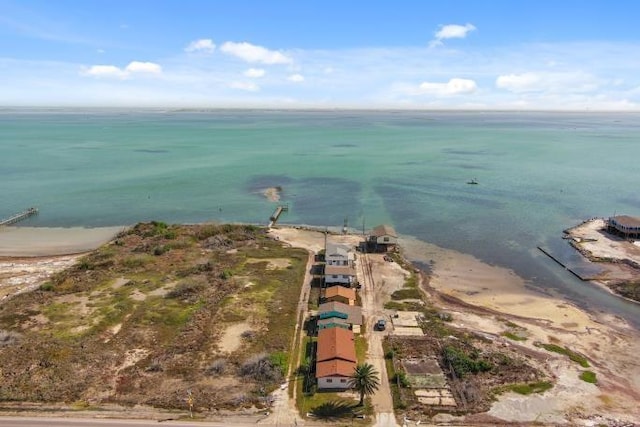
[[473, 182]]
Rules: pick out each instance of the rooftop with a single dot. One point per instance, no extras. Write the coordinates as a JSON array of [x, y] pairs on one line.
[[384, 230], [336, 343], [333, 368], [626, 220], [340, 291], [339, 269]]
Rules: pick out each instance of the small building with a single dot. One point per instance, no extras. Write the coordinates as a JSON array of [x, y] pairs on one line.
[[353, 312], [332, 319], [339, 254], [383, 238], [335, 359], [334, 374], [339, 275], [627, 227], [339, 294]]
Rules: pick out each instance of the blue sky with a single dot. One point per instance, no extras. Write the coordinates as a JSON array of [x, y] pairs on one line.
[[564, 55]]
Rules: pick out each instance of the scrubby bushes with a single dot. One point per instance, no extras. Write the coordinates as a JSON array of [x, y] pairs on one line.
[[464, 364], [261, 368]]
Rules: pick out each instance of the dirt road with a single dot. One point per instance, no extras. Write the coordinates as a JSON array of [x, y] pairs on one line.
[[373, 309]]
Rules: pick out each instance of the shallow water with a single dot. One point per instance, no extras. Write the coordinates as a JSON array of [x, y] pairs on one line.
[[538, 174]]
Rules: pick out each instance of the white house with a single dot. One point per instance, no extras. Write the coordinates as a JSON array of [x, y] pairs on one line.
[[336, 358], [383, 237], [339, 275], [339, 254]]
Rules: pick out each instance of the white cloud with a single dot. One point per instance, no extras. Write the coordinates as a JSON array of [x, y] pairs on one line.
[[201, 45], [248, 86], [105, 71], [296, 78], [557, 82], [254, 72], [451, 31], [452, 87], [143, 67], [252, 53], [111, 71], [518, 82]]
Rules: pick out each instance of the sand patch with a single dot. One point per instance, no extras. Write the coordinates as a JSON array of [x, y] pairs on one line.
[[232, 337], [136, 295], [133, 356], [19, 275], [163, 290], [272, 263], [42, 241], [119, 282], [272, 193]]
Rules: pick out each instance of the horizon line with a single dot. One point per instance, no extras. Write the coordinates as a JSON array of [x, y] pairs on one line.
[[5, 108]]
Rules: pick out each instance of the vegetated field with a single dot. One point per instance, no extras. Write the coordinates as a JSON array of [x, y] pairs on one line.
[[476, 368], [161, 310]]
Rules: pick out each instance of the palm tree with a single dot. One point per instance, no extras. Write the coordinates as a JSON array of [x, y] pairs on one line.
[[364, 380]]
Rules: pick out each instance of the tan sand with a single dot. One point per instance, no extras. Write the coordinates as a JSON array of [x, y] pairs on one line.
[[42, 241], [272, 193], [608, 342]]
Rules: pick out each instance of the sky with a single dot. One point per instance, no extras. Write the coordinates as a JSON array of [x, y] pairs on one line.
[[474, 54]]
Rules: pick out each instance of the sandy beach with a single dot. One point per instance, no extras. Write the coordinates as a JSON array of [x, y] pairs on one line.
[[44, 241], [30, 255], [609, 343]]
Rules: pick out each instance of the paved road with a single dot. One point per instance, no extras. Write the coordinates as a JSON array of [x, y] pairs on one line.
[[90, 422]]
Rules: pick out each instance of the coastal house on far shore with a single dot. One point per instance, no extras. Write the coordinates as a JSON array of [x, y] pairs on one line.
[[339, 254], [627, 227], [335, 358], [383, 238], [339, 294]]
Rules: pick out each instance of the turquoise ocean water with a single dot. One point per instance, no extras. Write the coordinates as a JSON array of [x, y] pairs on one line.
[[538, 174]]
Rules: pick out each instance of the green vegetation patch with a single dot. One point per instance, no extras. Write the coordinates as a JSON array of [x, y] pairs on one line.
[[139, 320], [464, 363], [576, 357], [407, 293], [513, 336], [530, 388], [589, 377]]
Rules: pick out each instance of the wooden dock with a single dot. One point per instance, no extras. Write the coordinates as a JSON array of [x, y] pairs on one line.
[[276, 214], [19, 216]]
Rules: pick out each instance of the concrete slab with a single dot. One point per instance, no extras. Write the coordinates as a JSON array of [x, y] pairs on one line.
[[407, 331], [406, 318]]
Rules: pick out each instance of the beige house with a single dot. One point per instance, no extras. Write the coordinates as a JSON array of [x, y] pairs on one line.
[[383, 238]]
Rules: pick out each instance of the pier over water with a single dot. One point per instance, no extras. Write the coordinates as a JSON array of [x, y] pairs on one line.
[[19, 216]]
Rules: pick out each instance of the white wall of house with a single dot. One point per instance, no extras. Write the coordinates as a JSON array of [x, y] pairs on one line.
[[387, 240], [336, 382], [338, 254], [339, 278]]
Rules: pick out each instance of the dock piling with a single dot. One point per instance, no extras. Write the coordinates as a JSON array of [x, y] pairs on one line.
[[19, 216]]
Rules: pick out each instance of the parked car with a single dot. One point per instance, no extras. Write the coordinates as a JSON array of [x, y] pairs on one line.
[[381, 325]]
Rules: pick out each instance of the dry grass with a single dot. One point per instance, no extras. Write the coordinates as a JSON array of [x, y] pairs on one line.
[[135, 324]]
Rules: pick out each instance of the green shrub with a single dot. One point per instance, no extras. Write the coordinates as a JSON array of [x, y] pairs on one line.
[[576, 357], [529, 388], [513, 336], [464, 364], [47, 287], [401, 379], [589, 377]]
